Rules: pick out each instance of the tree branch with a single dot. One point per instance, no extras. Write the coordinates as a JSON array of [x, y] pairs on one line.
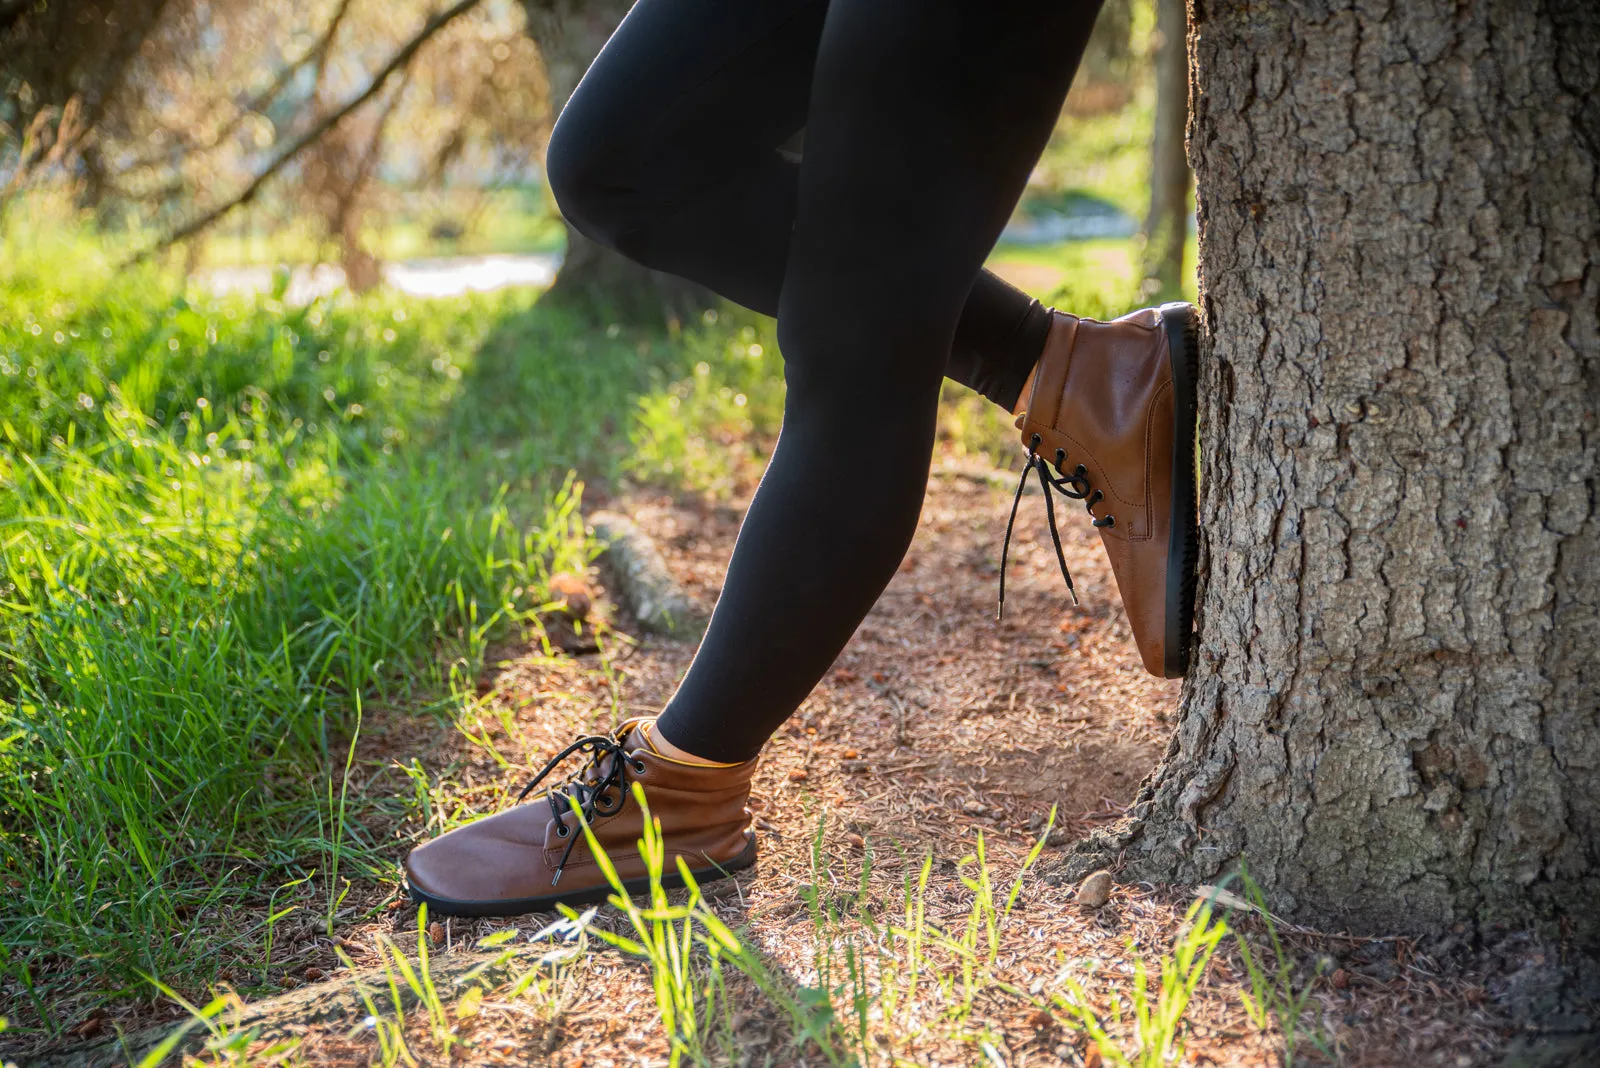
[[317, 54], [396, 62]]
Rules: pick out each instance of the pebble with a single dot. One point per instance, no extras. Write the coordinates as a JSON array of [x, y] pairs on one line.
[[973, 808], [1095, 890], [856, 841], [797, 775], [574, 592]]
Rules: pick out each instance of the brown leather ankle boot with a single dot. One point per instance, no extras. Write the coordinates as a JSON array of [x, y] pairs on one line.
[[1112, 411], [534, 855]]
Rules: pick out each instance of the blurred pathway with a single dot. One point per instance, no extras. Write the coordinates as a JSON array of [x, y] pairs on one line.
[[443, 277]]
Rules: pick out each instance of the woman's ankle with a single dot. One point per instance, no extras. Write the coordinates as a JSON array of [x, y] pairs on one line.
[[1027, 392], [665, 747]]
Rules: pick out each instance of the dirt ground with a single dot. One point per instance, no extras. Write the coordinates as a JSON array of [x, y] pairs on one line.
[[936, 724]]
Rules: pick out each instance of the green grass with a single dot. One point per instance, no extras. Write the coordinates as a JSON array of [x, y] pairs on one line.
[[884, 987], [1104, 156], [885, 982], [226, 523]]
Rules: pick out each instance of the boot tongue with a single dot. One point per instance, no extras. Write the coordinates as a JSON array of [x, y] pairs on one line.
[[636, 736]]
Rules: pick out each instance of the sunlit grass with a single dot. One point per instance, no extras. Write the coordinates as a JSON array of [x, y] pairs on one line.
[[1105, 156], [225, 522], [887, 982]]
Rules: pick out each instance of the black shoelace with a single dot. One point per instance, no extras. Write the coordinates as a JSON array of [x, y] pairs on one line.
[[1074, 486], [602, 796]]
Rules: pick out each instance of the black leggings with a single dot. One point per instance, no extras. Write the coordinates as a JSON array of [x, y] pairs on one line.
[[922, 119]]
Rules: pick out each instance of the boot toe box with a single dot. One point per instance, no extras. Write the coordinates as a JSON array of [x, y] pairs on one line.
[[491, 859]]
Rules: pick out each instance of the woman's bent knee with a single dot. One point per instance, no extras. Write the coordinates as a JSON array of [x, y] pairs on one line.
[[589, 182]]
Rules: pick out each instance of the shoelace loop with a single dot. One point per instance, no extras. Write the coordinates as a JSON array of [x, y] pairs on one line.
[[1074, 486], [602, 796]]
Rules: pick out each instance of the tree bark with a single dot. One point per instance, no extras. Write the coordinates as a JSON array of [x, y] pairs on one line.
[[1393, 714], [1166, 228], [598, 282]]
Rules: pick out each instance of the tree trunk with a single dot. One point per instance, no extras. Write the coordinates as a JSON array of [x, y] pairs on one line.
[[1394, 713], [1166, 228], [594, 279]]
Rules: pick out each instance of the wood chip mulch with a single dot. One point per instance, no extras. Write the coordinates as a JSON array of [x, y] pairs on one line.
[[936, 724]]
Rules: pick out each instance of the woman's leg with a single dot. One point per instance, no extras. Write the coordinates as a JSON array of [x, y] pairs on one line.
[[669, 152], [925, 119]]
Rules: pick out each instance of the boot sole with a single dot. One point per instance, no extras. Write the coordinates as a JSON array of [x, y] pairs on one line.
[[670, 879], [1183, 539]]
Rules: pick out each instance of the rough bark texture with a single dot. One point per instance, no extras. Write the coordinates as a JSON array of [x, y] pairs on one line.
[[594, 279], [1166, 228], [1393, 714]]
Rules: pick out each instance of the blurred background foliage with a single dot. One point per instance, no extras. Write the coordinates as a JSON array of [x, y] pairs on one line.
[[351, 132], [155, 111]]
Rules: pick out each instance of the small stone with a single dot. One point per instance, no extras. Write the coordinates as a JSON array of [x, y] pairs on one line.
[[1039, 1019], [1381, 970], [574, 593], [436, 933], [1095, 890], [798, 775], [853, 767], [1341, 979], [1091, 1057], [313, 973], [856, 841], [1058, 837], [973, 807], [850, 754]]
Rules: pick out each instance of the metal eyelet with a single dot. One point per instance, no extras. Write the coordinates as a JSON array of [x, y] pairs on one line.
[[562, 830], [640, 767]]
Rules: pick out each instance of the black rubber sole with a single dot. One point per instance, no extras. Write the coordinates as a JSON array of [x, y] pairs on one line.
[[1183, 540], [444, 906]]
